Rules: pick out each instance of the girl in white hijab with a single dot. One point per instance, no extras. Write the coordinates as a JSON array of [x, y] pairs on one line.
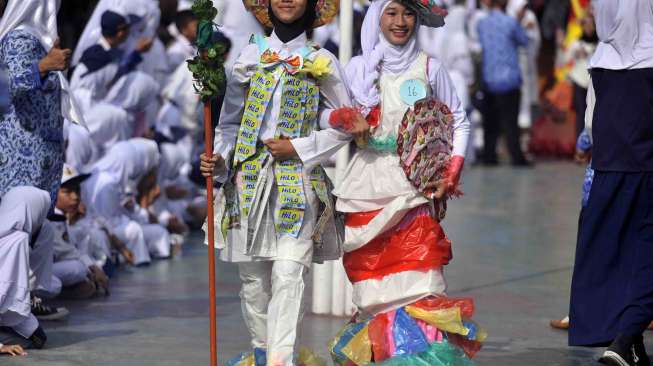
[[80, 148], [387, 218], [104, 193], [375, 80], [23, 210]]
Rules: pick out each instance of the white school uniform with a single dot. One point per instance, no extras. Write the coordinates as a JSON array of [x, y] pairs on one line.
[[104, 191], [23, 210]]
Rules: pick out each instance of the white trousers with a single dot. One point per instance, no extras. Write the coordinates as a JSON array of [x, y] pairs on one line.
[[70, 272], [272, 305], [15, 310], [157, 239], [42, 281], [132, 235]]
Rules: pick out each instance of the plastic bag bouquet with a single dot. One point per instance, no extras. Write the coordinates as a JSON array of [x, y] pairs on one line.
[[425, 145]]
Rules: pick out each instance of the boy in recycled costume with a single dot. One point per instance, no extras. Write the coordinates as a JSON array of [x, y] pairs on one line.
[[275, 210]]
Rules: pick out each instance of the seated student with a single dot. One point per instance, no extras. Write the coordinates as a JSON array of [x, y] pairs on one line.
[[23, 210], [139, 205], [80, 148], [107, 79], [104, 192], [73, 265], [171, 209], [104, 63], [183, 47]]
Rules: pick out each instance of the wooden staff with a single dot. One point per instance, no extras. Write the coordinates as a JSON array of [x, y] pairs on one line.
[[208, 150]]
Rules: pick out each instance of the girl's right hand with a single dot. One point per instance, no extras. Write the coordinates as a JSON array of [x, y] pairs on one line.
[[208, 164]]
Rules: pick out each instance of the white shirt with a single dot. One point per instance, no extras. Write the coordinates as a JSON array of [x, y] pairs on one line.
[[179, 51]]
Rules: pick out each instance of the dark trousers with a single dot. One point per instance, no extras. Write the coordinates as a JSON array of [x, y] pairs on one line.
[[612, 284], [580, 105], [501, 112]]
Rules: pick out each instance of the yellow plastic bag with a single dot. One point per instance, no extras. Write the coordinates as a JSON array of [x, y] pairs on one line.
[[308, 358], [447, 320], [359, 349]]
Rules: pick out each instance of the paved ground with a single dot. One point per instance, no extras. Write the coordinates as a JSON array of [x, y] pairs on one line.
[[513, 234]]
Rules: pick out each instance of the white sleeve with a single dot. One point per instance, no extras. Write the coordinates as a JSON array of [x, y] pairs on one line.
[[233, 105], [589, 112], [234, 102], [320, 145], [443, 89]]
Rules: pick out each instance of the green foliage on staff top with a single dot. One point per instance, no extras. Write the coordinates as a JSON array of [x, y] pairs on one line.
[[207, 66]]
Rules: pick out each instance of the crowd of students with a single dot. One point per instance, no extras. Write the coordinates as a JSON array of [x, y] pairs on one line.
[[106, 180]]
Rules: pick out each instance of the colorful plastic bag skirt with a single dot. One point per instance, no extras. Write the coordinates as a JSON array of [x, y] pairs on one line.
[[432, 331]]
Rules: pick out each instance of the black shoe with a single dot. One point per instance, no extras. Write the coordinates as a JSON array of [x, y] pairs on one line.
[[45, 312], [622, 352], [38, 338]]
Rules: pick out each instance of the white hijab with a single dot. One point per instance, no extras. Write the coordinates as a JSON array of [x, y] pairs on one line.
[[80, 149], [129, 160], [515, 6], [23, 209], [39, 18], [378, 55], [108, 125], [133, 92], [172, 159], [148, 10], [625, 30]]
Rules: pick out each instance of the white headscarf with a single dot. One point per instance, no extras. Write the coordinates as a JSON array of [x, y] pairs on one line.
[[129, 160], [515, 6], [378, 53], [39, 18], [79, 152], [23, 209], [108, 125], [133, 92], [625, 31], [148, 10], [172, 159]]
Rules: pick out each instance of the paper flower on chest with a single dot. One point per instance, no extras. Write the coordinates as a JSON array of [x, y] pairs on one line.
[[318, 68], [425, 145]]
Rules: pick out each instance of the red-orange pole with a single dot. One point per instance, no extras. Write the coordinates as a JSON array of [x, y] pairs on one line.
[[208, 140]]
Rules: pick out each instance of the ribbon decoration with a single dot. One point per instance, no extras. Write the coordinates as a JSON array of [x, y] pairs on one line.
[[271, 59]]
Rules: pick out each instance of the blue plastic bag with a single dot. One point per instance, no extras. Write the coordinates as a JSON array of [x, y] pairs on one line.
[[409, 339]]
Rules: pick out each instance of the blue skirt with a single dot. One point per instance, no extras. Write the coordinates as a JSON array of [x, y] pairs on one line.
[[612, 285]]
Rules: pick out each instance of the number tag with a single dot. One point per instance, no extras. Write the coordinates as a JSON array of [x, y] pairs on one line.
[[412, 90]]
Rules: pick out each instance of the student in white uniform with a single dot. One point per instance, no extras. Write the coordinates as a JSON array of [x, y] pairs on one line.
[[274, 186], [79, 147], [140, 209], [183, 48], [23, 210], [104, 63], [122, 167], [73, 264], [527, 60]]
